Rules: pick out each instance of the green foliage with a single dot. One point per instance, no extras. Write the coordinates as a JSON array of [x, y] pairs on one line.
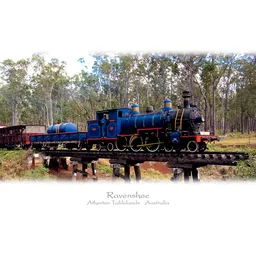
[[16, 87], [104, 167], [246, 170], [13, 167], [49, 80], [40, 173]]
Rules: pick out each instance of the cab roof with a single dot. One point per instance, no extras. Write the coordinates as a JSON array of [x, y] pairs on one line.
[[106, 111]]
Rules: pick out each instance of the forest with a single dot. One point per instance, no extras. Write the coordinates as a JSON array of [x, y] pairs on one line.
[[37, 91]]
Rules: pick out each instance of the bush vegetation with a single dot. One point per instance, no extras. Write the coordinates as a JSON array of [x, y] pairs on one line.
[[13, 166]]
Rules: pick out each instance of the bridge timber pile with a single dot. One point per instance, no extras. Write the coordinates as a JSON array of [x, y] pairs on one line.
[[185, 162]]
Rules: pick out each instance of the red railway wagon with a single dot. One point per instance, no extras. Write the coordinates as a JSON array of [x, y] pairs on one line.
[[17, 136]]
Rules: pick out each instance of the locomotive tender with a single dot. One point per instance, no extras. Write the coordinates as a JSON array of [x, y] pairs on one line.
[[127, 129]]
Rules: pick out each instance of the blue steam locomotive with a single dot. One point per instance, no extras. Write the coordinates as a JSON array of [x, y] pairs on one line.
[[127, 129]]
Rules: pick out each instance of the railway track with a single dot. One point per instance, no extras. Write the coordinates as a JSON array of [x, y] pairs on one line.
[[189, 162], [173, 158]]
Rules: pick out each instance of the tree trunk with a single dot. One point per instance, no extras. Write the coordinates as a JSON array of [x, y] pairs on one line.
[[47, 115], [213, 109], [50, 110], [242, 121], [205, 116], [223, 116], [44, 117], [147, 96], [14, 114], [225, 112], [109, 90], [126, 93], [192, 87], [248, 124]]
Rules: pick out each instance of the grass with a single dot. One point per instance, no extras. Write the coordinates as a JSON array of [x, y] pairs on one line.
[[234, 142], [13, 167], [14, 155], [151, 174], [218, 147], [245, 170], [240, 135], [231, 141], [40, 173]]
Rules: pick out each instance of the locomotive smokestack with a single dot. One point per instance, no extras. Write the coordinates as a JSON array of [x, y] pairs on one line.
[[186, 96], [149, 109]]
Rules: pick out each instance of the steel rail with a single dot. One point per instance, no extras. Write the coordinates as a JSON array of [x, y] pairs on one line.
[[200, 159]]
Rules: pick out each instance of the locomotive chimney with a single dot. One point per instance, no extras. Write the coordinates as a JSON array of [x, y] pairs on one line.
[[186, 96], [149, 109]]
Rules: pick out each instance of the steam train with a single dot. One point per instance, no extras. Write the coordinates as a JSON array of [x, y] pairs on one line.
[[127, 129]]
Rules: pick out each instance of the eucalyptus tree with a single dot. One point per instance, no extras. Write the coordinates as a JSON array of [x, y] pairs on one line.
[[156, 71], [190, 65], [226, 89], [15, 86], [245, 89], [102, 69], [212, 70], [85, 96], [5, 113], [143, 72], [125, 75], [160, 67], [49, 77]]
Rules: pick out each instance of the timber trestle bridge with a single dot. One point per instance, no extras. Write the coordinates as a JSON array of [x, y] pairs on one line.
[[182, 162]]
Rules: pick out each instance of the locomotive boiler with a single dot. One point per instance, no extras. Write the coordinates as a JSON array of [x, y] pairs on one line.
[[166, 129]]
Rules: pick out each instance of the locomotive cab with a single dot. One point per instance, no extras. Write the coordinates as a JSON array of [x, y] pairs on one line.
[[113, 117], [104, 130]]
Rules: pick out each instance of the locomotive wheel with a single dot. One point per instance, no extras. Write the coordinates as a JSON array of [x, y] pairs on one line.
[[110, 146], [121, 143], [168, 148], [192, 146], [98, 147], [134, 142], [152, 139]]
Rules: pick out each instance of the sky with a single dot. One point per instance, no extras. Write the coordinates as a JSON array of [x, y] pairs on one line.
[[70, 30]]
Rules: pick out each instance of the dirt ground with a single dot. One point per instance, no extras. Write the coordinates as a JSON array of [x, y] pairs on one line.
[[65, 175], [62, 174], [206, 173], [158, 166]]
